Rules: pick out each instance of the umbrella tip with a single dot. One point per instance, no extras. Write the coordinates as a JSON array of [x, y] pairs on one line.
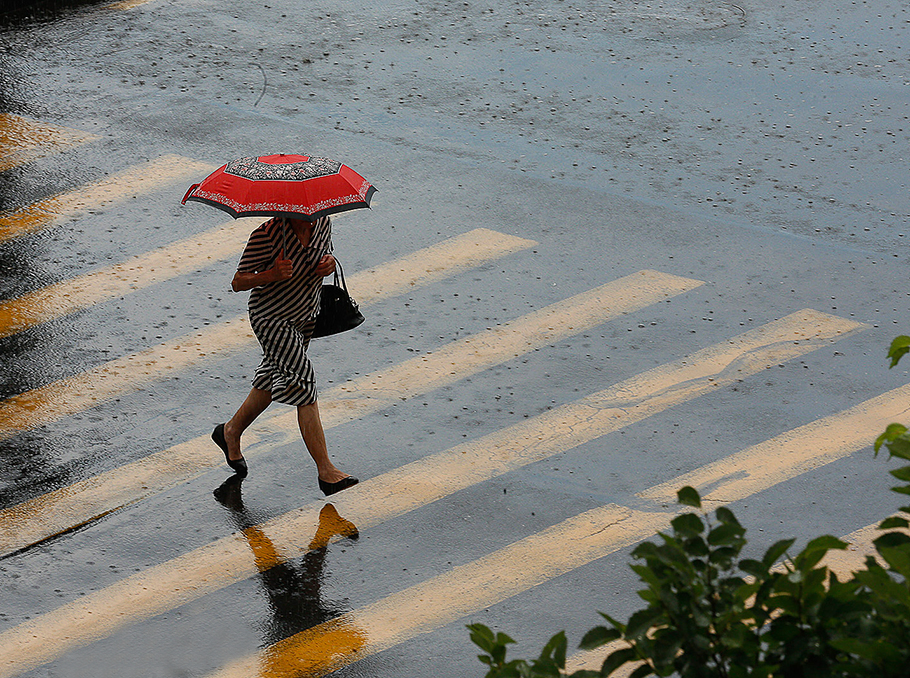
[[187, 195]]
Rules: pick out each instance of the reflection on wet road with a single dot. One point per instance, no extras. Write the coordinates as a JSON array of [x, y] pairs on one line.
[[292, 588]]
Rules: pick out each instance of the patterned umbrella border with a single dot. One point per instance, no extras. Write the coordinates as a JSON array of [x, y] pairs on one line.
[[311, 213]]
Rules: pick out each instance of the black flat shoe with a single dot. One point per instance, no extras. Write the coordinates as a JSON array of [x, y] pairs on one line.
[[239, 465], [332, 488]]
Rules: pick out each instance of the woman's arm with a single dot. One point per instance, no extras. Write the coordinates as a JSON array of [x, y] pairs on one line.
[[282, 270]]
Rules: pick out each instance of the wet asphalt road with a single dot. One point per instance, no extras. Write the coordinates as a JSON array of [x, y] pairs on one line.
[[759, 151]]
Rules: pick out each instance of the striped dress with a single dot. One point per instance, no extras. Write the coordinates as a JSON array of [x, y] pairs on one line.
[[283, 314]]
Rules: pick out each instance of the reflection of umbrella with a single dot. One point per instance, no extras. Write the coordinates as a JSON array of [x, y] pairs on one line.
[[295, 186]]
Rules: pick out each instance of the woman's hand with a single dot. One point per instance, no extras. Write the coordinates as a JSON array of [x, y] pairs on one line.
[[283, 268], [326, 265]]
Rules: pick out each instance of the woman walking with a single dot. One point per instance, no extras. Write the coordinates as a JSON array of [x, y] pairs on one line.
[[283, 264]]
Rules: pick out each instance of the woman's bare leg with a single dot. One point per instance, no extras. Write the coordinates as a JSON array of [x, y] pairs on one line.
[[254, 405], [314, 438]]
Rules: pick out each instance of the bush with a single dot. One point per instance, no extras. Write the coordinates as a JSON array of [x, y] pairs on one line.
[[711, 614]]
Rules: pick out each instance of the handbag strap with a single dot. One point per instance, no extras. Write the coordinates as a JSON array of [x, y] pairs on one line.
[[338, 268]]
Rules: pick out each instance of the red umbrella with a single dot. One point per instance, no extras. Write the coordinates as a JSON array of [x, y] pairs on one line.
[[295, 186]]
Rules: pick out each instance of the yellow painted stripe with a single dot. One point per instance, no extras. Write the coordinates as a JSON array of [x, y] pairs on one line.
[[60, 510], [129, 373], [226, 561], [789, 454], [115, 281], [142, 179], [23, 140], [450, 596], [127, 4]]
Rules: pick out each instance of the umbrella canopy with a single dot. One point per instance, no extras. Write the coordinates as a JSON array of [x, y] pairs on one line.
[[295, 186]]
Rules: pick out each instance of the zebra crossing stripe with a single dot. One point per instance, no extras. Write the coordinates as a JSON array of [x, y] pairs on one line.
[[62, 509], [450, 596], [226, 561], [43, 405], [23, 140], [136, 273], [790, 454], [114, 190], [122, 5], [466, 589]]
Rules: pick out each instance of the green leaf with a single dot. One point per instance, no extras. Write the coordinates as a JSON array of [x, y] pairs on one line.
[[645, 550], [726, 516], [826, 542], [642, 671], [598, 637], [725, 534], [640, 622], [776, 550], [902, 473], [688, 524], [894, 522], [665, 650], [898, 559], [868, 650], [724, 556], [892, 433], [754, 567], [818, 547], [556, 649], [696, 548], [893, 541], [899, 347], [688, 496], [615, 623], [481, 636]]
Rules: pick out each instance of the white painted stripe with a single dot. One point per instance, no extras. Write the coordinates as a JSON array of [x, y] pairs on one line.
[[450, 596], [789, 454], [123, 5]]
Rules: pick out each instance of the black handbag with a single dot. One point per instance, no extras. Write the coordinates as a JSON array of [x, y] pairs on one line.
[[337, 311]]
